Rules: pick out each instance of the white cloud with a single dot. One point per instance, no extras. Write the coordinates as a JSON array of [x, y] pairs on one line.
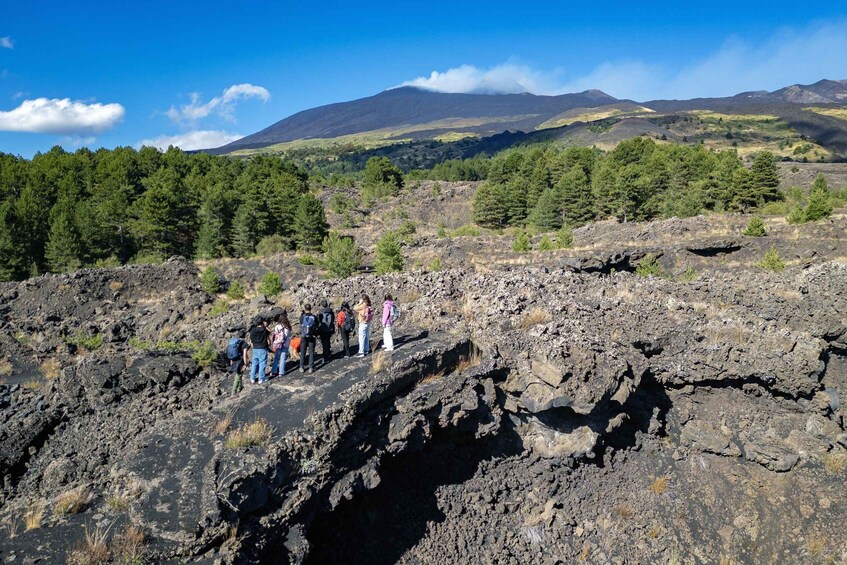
[[222, 105], [7, 42], [197, 139], [508, 77], [789, 56], [63, 116]]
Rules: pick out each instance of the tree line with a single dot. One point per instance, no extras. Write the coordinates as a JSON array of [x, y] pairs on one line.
[[60, 210]]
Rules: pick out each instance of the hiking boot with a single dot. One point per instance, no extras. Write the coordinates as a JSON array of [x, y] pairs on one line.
[[311, 370], [302, 370]]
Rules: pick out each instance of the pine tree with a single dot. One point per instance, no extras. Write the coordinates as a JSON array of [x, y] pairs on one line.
[[11, 252], [210, 280], [547, 215], [521, 243], [63, 250], [489, 206], [765, 176], [342, 257], [576, 195], [546, 244], [745, 195], [564, 238], [310, 225], [249, 226], [381, 179], [819, 205], [389, 254], [755, 227], [516, 210]]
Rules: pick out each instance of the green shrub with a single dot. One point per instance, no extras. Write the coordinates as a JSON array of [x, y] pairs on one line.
[[564, 238], [442, 232], [109, 262], [205, 354], [797, 215], [148, 258], [546, 244], [649, 266], [271, 284], [271, 245], [688, 275], [340, 203], [219, 307], [342, 257], [435, 264], [755, 227], [521, 243], [90, 343], [467, 230], [142, 344], [407, 228], [772, 261], [210, 281], [819, 206], [389, 254], [308, 259], [235, 291]]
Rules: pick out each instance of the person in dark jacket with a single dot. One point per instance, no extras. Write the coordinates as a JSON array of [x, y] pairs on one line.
[[346, 322], [237, 353], [326, 327], [308, 333], [260, 340]]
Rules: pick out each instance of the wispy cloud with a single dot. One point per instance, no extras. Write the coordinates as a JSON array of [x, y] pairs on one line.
[[7, 42], [62, 116], [787, 57], [222, 105], [507, 78], [197, 139]]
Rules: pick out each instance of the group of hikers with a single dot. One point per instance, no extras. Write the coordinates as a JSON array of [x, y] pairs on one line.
[[275, 338]]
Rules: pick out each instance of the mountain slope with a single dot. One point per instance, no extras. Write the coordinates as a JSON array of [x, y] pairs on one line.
[[411, 110]]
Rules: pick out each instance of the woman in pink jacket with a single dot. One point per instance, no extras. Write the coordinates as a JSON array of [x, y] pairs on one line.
[[389, 316]]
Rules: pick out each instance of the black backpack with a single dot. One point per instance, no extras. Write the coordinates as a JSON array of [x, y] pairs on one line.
[[349, 323], [327, 324]]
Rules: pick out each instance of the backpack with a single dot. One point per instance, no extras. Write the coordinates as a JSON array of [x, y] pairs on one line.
[[395, 313], [326, 322], [307, 325], [278, 340], [233, 349], [349, 323], [369, 314]]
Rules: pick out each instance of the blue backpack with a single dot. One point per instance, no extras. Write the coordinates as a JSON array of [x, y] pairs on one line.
[[233, 349], [307, 325]]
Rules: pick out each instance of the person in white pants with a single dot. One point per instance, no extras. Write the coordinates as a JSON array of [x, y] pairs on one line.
[[388, 319]]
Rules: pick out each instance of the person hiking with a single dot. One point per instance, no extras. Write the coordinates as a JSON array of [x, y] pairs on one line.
[[364, 315], [326, 327], [308, 332], [279, 345], [390, 313], [260, 340], [346, 322], [236, 352]]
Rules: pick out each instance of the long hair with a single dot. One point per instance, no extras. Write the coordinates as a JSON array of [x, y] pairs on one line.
[[367, 299], [283, 319]]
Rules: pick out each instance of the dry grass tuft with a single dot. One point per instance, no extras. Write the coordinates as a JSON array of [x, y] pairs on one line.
[[34, 516], [222, 425], [93, 550], [128, 546], [535, 317], [11, 527], [116, 286], [257, 432], [654, 532], [468, 361], [71, 502], [624, 512], [6, 367], [286, 300], [379, 361], [659, 485], [815, 545], [431, 378], [232, 538], [32, 384], [834, 463], [410, 296], [123, 495], [51, 369]]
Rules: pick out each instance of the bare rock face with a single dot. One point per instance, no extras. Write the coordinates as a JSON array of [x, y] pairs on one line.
[[540, 413]]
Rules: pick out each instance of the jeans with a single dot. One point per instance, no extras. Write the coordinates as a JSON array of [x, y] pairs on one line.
[[307, 344], [387, 338], [325, 347], [345, 342], [278, 367], [364, 338], [260, 361]]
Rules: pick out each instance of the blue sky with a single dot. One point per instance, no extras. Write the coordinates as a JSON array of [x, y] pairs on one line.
[[202, 73]]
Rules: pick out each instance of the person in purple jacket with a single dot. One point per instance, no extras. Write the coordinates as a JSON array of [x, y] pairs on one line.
[[390, 313]]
